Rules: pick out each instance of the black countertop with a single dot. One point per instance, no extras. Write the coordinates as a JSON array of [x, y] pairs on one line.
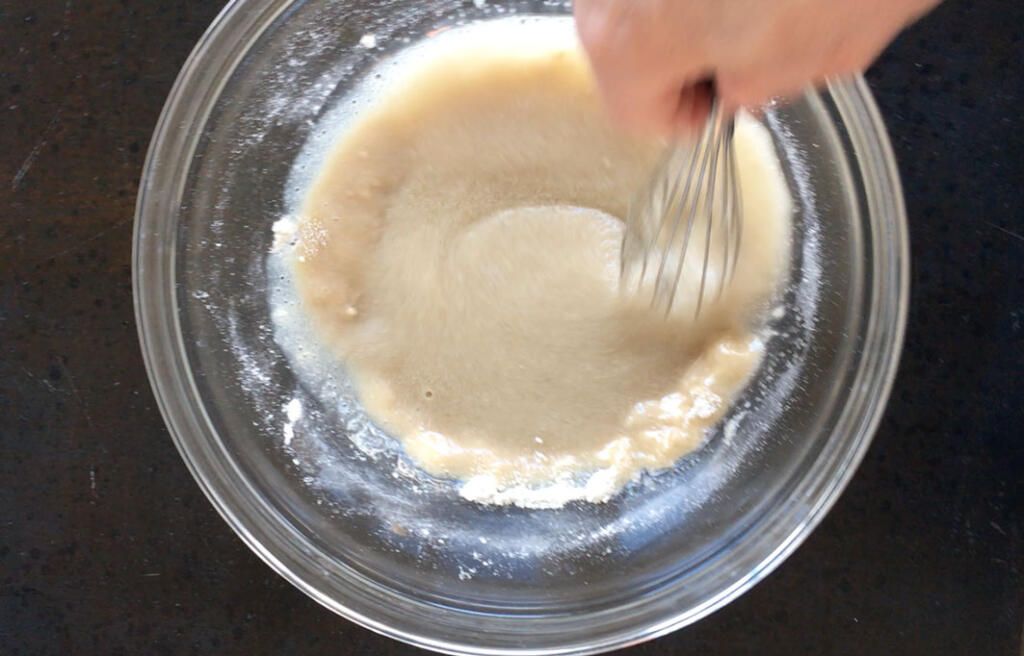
[[107, 545]]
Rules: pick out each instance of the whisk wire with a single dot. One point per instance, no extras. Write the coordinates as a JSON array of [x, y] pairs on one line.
[[736, 216], [690, 184], [690, 201], [691, 170], [716, 150]]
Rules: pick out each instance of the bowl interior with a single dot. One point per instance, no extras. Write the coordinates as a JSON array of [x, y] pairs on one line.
[[332, 503]]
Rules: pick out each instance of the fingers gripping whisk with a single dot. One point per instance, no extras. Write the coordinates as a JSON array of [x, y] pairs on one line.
[[683, 230]]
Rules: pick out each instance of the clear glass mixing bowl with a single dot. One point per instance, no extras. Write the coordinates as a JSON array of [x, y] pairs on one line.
[[382, 544]]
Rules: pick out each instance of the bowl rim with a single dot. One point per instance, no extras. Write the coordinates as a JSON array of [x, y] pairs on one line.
[[191, 99]]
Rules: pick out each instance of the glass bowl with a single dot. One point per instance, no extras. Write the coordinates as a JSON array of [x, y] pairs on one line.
[[336, 509]]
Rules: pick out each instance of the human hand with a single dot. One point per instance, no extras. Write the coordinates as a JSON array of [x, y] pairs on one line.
[[653, 58]]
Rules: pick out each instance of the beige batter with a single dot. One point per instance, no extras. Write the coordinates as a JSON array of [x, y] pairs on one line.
[[460, 253]]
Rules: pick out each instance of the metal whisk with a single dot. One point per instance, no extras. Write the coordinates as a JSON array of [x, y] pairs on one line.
[[686, 223]]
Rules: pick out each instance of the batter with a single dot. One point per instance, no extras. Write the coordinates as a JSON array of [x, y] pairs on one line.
[[459, 252]]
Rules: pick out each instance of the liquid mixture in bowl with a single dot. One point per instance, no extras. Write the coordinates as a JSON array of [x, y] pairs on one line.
[[458, 253]]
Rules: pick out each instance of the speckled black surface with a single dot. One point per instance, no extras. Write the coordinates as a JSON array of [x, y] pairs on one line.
[[108, 547]]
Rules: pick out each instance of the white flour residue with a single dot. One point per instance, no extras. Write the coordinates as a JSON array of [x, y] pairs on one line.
[[284, 233], [600, 486], [808, 289], [293, 413]]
